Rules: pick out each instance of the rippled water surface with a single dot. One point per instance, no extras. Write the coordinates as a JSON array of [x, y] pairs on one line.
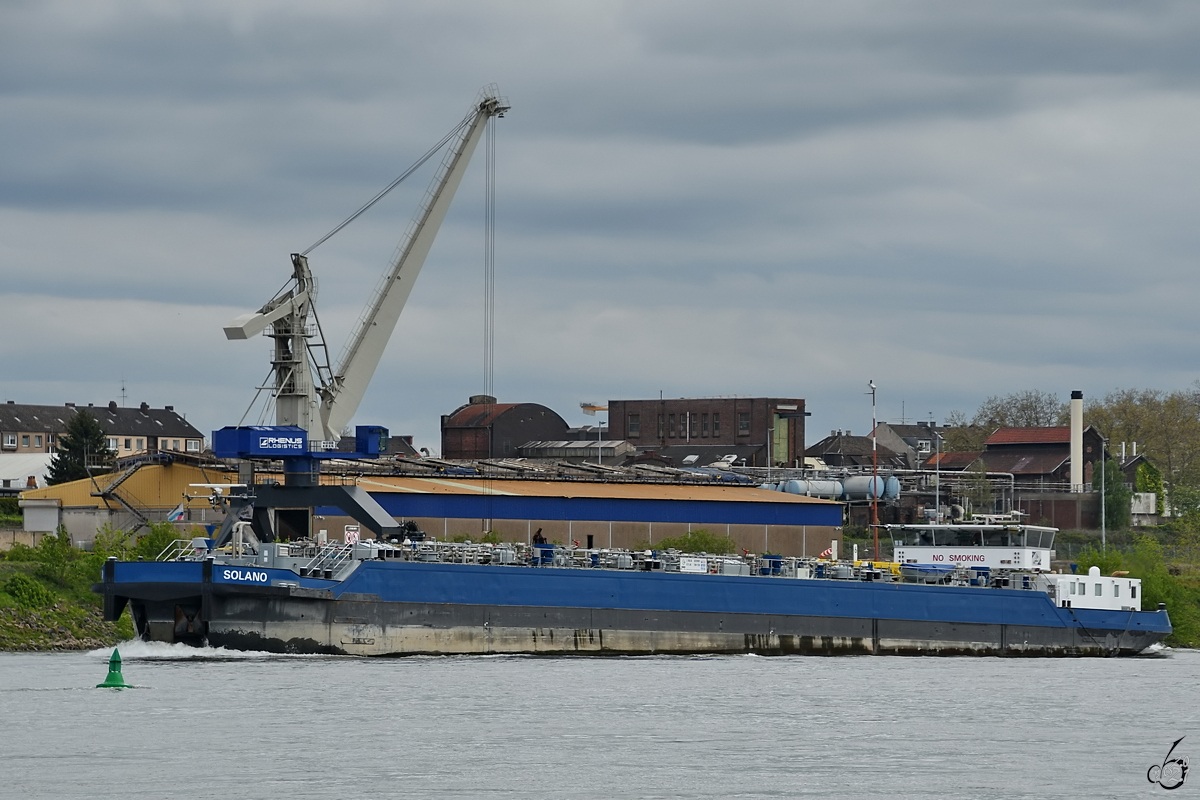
[[210, 723]]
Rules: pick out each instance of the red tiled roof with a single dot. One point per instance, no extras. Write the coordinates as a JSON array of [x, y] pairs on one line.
[[1025, 464], [951, 460], [1030, 436]]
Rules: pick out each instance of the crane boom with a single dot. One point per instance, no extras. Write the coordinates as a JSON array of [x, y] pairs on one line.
[[343, 394], [307, 393]]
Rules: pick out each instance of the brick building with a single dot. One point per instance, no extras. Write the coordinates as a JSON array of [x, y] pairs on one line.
[[758, 426], [484, 428]]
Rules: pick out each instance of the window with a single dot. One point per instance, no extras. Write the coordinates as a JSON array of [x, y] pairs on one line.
[[25, 440], [716, 424], [10, 440], [141, 444], [743, 423], [924, 446], [193, 446], [660, 426], [37, 441], [112, 443], [1116, 590], [1099, 590], [633, 430], [704, 424], [671, 426], [50, 439], [128, 444], [174, 444], [1072, 587], [1133, 591]]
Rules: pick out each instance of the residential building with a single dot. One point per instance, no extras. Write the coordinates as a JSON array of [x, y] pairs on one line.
[[916, 443], [841, 449], [1040, 458], [21, 471], [757, 429], [35, 429], [1039, 461]]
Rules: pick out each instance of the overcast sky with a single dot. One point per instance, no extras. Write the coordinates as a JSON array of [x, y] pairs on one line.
[[698, 198]]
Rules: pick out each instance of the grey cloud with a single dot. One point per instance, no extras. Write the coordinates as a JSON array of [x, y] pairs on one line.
[[953, 199]]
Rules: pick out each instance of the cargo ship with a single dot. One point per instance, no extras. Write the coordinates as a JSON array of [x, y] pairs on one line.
[[982, 589], [979, 588]]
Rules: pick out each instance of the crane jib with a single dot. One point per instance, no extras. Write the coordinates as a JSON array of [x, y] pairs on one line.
[[306, 391]]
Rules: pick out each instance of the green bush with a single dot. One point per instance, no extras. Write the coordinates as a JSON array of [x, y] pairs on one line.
[[28, 592], [112, 542], [57, 558], [10, 512], [157, 539], [1145, 560], [698, 541], [18, 552]]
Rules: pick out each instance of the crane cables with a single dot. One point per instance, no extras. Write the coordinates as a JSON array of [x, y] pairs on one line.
[[384, 192], [489, 301], [489, 260]]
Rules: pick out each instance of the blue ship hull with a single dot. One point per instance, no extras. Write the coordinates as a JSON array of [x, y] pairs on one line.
[[398, 608]]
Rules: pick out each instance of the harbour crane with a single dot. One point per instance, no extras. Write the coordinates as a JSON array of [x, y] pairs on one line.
[[314, 402], [307, 392]]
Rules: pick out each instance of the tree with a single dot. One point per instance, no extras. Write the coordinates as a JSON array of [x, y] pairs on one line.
[[978, 489], [1031, 408], [960, 436], [83, 445], [1166, 426], [1149, 479], [1116, 494]]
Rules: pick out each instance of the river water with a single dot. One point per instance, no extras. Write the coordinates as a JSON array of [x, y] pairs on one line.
[[212, 723]]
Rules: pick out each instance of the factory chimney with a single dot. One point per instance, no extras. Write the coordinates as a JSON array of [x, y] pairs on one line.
[[1077, 441]]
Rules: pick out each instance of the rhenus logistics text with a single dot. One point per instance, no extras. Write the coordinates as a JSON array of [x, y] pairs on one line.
[[281, 442]]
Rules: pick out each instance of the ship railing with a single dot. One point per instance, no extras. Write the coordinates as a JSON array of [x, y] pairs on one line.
[[330, 558], [175, 549]]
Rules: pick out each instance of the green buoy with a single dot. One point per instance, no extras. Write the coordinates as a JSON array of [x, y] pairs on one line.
[[115, 679]]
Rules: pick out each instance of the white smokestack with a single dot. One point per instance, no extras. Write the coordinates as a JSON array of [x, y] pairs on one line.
[[1076, 441]]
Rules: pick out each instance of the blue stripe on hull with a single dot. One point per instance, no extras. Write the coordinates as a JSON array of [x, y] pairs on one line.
[[575, 588]]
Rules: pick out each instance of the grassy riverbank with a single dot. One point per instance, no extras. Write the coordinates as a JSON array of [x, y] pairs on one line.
[[46, 598]]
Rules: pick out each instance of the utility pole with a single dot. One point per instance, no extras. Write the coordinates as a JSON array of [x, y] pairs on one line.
[[1103, 502], [874, 472], [937, 473], [770, 436]]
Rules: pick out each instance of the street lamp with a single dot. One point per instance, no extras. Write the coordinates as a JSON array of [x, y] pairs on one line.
[[590, 409]]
